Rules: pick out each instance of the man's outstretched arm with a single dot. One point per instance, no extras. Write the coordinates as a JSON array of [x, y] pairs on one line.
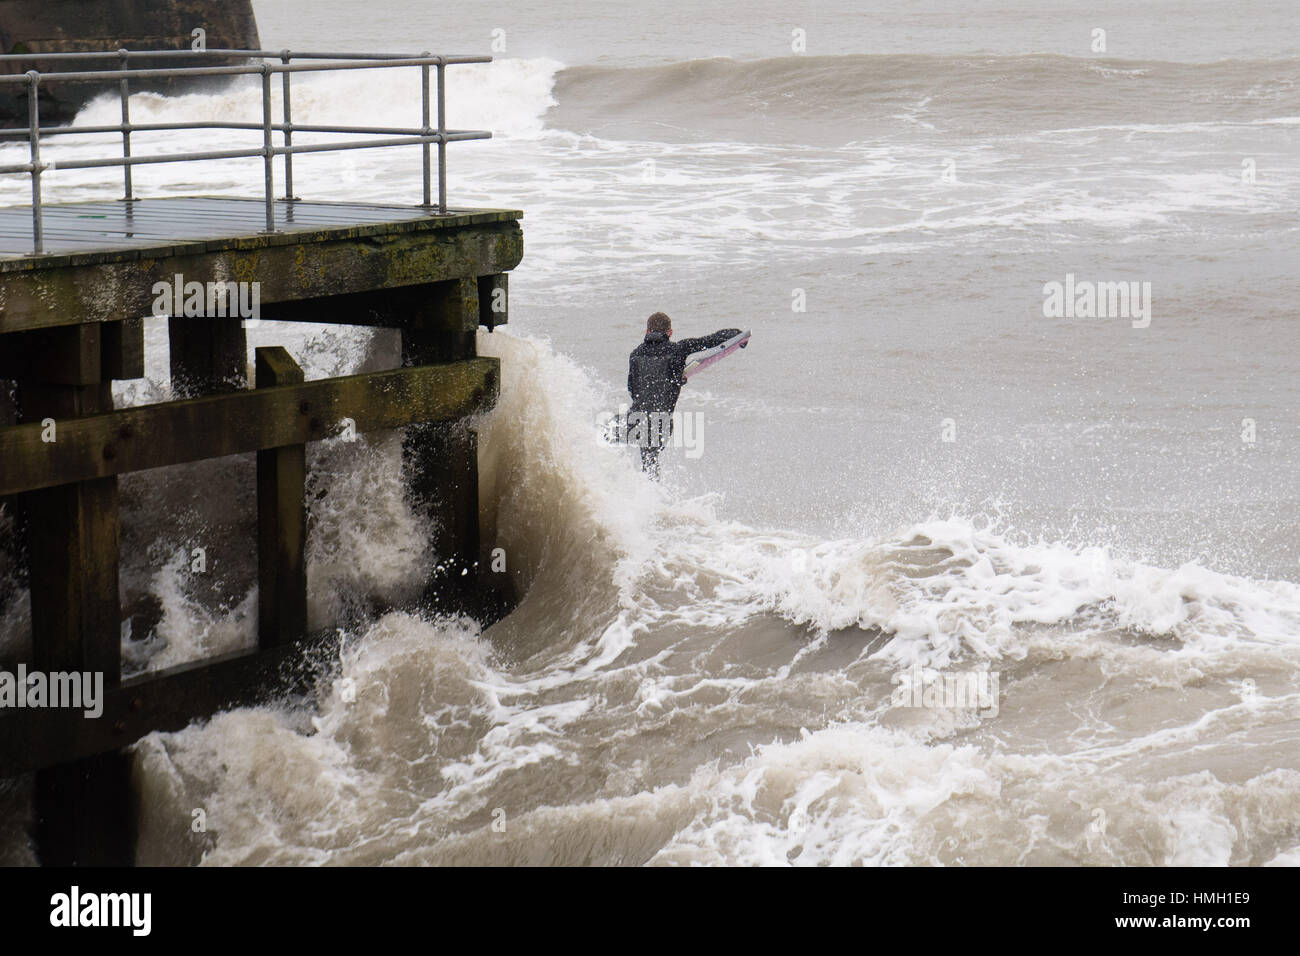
[[705, 341]]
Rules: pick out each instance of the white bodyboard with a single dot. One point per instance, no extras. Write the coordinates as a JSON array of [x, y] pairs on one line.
[[716, 354]]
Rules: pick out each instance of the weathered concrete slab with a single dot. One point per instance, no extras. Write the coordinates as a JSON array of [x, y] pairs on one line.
[[329, 249]]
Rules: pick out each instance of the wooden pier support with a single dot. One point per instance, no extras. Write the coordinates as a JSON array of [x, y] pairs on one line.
[[82, 808], [281, 520], [122, 350], [69, 326], [85, 812], [441, 460], [208, 355], [12, 534]]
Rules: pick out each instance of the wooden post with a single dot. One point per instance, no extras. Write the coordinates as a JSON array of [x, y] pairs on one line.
[[122, 350], [207, 355], [442, 459], [281, 520], [8, 401], [11, 535], [442, 463], [84, 812]]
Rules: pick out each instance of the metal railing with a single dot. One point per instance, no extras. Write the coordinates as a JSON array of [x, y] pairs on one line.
[[425, 136]]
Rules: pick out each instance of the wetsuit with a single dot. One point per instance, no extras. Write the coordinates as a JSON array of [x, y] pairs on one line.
[[654, 380]]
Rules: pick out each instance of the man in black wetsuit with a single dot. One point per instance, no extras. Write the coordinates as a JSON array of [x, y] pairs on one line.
[[654, 379]]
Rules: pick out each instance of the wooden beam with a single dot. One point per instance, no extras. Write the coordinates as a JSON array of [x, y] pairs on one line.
[[208, 355], [67, 355], [378, 307], [454, 305], [153, 436], [164, 701], [281, 520], [426, 305]]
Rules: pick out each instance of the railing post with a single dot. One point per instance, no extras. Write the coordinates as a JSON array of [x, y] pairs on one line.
[[34, 136], [268, 155], [424, 128], [125, 90], [288, 130], [442, 133]]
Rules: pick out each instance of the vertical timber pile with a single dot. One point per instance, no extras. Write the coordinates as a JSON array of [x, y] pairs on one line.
[[83, 808], [208, 355], [442, 459], [281, 521]]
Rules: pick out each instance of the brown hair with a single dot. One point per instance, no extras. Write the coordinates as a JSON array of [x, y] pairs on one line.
[[659, 323]]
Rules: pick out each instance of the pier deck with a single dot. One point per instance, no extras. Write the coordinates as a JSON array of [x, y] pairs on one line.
[[143, 224], [328, 262]]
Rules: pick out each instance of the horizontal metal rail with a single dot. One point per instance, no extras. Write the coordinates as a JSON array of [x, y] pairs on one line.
[[221, 53], [48, 131], [423, 136], [112, 76], [451, 136]]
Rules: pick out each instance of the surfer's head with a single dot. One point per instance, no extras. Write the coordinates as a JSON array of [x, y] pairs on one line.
[[659, 323]]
